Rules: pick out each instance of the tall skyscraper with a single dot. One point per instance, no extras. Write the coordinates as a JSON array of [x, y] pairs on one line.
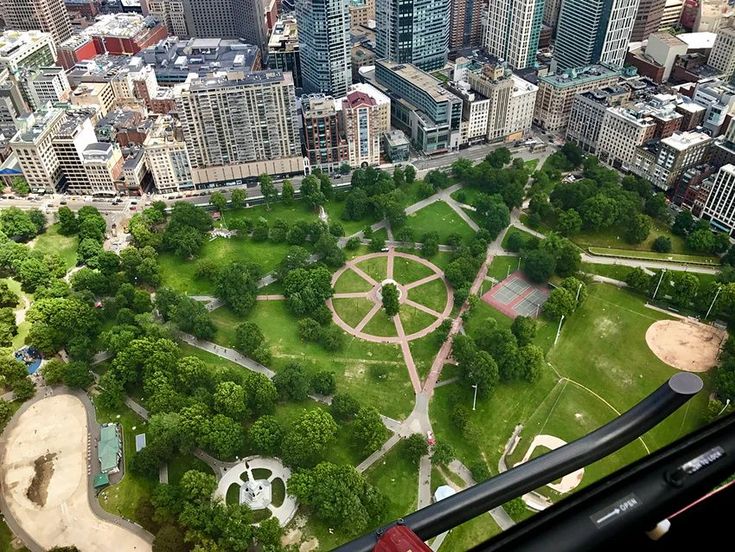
[[551, 12], [466, 23], [647, 19], [511, 30], [324, 37], [603, 38], [413, 31], [722, 56], [49, 16]]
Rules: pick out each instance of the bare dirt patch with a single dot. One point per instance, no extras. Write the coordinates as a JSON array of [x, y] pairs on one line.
[[44, 469], [685, 344]]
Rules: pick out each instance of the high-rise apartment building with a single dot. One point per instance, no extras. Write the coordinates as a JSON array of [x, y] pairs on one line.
[[722, 56], [719, 208], [413, 31], [49, 16], [602, 38], [551, 12], [647, 19], [465, 23], [366, 116], [72, 137], [172, 14], [226, 19], [324, 36], [283, 48], [166, 156], [663, 162], [361, 11], [26, 50], [47, 84], [511, 30], [12, 104], [671, 14], [239, 128], [34, 150], [325, 144], [103, 163]]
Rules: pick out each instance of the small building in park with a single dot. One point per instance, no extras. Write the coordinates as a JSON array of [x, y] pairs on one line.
[[109, 448]]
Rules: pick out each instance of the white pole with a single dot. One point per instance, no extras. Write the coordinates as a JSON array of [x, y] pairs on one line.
[[507, 272], [719, 288], [474, 400], [558, 331], [727, 403], [519, 263], [579, 289], [659, 283]]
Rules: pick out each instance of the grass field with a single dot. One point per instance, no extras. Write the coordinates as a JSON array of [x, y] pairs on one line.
[[6, 540], [423, 351], [335, 209], [381, 325], [653, 256], [377, 268], [440, 218], [396, 477], [290, 213], [53, 242], [349, 281], [352, 311], [432, 294], [182, 464], [470, 534], [406, 271], [414, 320], [501, 266], [619, 272], [393, 395], [122, 499], [25, 326], [514, 230], [180, 274], [614, 237]]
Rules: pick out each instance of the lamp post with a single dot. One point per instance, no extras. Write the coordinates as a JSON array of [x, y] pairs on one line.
[[558, 331], [474, 400], [659, 283], [727, 403], [719, 289]]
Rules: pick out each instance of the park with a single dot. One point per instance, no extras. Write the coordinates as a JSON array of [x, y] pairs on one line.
[[391, 343]]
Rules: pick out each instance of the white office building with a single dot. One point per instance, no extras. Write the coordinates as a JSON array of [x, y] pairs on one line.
[[719, 208], [511, 30]]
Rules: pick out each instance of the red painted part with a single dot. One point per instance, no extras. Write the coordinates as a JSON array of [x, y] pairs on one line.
[[400, 538]]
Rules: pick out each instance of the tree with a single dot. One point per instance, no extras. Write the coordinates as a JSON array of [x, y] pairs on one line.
[[308, 438], [481, 370], [237, 198], [68, 223], [538, 265], [561, 302], [237, 286], [24, 389], [515, 508], [265, 435], [389, 294], [229, 399], [268, 189], [494, 213], [287, 192], [662, 244], [569, 222], [638, 280], [577, 288], [416, 448], [292, 382], [8, 298], [8, 327], [498, 158], [430, 244], [443, 454], [531, 362], [638, 228], [222, 436], [377, 243], [323, 382], [339, 496], [683, 223], [311, 191], [169, 538], [683, 288], [16, 224], [77, 374], [409, 174], [344, 407], [197, 487], [462, 169], [524, 329], [219, 200], [248, 337], [368, 429], [307, 290]]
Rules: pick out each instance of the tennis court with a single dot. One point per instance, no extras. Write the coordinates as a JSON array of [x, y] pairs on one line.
[[516, 296]]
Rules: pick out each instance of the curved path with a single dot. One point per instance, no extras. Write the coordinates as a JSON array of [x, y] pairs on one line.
[[71, 513]]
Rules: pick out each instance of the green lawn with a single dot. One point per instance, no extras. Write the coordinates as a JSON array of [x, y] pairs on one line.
[[352, 311], [616, 272], [531, 165], [393, 396], [440, 218], [182, 464], [414, 320], [6, 540], [233, 494], [335, 209], [290, 213], [470, 534], [279, 491], [122, 499], [381, 325], [376, 267], [53, 242], [180, 273], [501, 266], [432, 294], [397, 478], [424, 351], [603, 347], [653, 256], [406, 271], [25, 327], [350, 281], [614, 237], [469, 195], [514, 230]]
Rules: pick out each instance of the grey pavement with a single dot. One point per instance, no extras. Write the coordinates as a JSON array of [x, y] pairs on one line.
[[424, 482], [378, 454]]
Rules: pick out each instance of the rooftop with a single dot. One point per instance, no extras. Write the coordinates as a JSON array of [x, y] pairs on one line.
[[698, 41], [222, 80], [33, 125], [365, 89], [683, 140], [11, 41], [419, 79], [577, 77], [285, 35], [122, 25]]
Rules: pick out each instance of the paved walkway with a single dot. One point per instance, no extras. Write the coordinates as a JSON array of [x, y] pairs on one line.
[[499, 514]]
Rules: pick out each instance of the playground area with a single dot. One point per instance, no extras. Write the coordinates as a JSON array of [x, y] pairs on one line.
[[516, 296], [686, 344], [45, 483], [260, 483], [31, 357]]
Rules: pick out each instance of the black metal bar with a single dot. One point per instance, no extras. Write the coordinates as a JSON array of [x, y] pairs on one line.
[[470, 503]]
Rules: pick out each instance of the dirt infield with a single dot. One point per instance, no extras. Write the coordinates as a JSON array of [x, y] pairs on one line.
[[685, 344], [567, 483], [43, 470]]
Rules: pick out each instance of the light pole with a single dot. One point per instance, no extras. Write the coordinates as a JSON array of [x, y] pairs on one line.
[[727, 403], [474, 400], [558, 331], [659, 283], [579, 289], [719, 288]]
